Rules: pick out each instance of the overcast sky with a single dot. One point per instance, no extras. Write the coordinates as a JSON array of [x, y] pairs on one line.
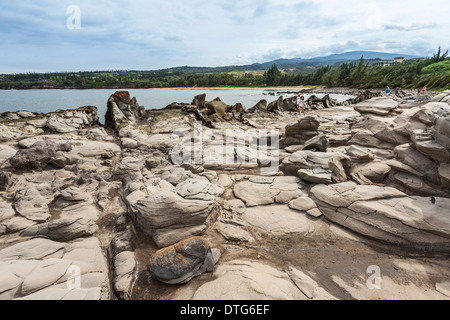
[[155, 34]]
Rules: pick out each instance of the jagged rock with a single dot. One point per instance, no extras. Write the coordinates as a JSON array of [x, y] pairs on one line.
[[122, 110], [182, 261], [338, 173], [318, 143], [63, 230], [38, 156], [276, 106], [199, 101], [387, 215], [73, 120], [360, 179], [261, 106], [218, 108]]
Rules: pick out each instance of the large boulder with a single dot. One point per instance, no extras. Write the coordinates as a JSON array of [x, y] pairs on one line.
[[182, 261], [218, 108], [38, 156], [300, 132], [387, 215], [169, 216], [261, 106], [122, 110]]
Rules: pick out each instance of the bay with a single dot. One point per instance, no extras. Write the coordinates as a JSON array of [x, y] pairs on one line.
[[44, 101]]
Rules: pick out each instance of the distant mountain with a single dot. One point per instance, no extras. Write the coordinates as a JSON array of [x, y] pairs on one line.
[[300, 64], [356, 55]]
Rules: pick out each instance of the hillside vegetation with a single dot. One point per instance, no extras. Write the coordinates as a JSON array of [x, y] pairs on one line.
[[432, 72]]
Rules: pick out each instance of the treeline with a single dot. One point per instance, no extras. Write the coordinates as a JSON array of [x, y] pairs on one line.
[[432, 72], [129, 79]]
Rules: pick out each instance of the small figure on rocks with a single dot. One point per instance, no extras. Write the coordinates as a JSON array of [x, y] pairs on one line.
[[301, 104], [388, 91]]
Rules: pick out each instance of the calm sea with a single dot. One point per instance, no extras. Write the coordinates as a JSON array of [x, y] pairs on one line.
[[50, 100]]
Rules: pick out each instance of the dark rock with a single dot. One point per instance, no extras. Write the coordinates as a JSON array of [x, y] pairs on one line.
[[5, 180], [317, 143], [276, 106], [338, 174], [38, 156], [183, 261], [199, 100], [261, 106], [122, 109]]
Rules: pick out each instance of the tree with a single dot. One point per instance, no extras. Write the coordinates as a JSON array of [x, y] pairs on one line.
[[272, 76], [438, 57]]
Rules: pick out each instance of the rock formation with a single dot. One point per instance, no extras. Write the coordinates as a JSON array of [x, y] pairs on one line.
[[153, 206]]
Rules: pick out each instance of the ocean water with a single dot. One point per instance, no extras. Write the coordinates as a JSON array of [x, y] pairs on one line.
[[45, 101]]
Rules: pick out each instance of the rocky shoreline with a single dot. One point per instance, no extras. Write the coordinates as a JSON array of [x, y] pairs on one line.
[[203, 200]]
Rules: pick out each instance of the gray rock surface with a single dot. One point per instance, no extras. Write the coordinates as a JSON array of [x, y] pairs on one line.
[[388, 215]]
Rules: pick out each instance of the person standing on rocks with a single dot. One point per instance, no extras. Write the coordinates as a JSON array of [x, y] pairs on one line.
[[388, 91], [301, 104]]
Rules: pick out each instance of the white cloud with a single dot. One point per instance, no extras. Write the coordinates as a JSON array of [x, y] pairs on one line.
[[154, 34]]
